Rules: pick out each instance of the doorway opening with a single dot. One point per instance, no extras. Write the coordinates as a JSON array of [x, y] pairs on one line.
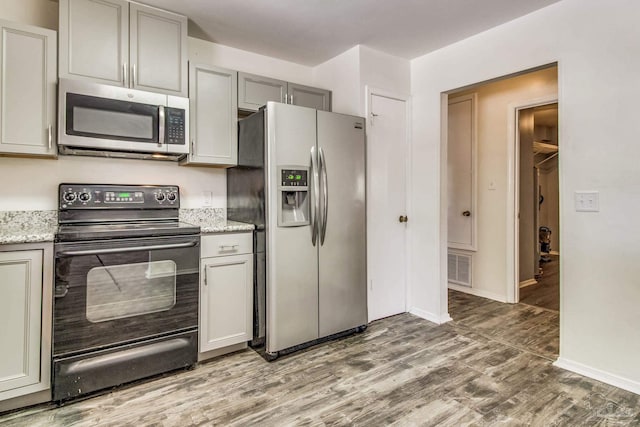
[[539, 227], [482, 193]]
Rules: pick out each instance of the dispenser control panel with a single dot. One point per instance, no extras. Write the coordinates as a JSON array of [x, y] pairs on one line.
[[294, 178]]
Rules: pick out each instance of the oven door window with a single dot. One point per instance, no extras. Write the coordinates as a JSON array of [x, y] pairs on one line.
[[96, 117], [121, 291]]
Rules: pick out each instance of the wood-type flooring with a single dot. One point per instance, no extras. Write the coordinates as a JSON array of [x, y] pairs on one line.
[[490, 366], [545, 293]]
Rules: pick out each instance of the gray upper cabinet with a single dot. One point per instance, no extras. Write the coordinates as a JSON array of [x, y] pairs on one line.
[[311, 97], [158, 50], [255, 91], [123, 43], [94, 40], [27, 90], [213, 111]]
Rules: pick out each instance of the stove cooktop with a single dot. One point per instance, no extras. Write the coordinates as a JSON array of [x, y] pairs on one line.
[[79, 232]]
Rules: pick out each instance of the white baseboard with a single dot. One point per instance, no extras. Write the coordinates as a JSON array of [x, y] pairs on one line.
[[478, 292], [527, 282], [597, 374], [426, 315]]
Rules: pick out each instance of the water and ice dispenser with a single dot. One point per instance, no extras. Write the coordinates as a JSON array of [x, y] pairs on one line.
[[293, 196]]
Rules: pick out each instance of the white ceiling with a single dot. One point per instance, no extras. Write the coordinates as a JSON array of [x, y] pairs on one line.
[[310, 32]]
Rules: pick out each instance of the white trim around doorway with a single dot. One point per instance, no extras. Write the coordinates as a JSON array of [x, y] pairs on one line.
[[513, 193]]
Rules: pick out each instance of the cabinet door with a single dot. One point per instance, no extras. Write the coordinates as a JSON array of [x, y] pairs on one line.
[[94, 40], [226, 301], [213, 95], [20, 315], [255, 91], [158, 50], [311, 97], [27, 90], [461, 179]]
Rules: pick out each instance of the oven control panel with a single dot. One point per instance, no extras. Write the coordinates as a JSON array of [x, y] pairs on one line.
[[93, 196]]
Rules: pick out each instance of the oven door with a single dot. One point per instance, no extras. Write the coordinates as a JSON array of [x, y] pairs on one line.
[[117, 292]]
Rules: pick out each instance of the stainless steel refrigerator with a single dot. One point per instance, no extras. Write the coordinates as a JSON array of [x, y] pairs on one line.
[[301, 180]]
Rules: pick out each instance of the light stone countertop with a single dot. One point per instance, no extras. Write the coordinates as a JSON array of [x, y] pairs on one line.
[[41, 226], [28, 226], [213, 220]]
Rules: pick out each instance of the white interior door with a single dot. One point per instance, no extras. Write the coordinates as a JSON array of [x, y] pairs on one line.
[[461, 173], [386, 203]]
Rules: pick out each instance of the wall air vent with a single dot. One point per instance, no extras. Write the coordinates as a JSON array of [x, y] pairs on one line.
[[459, 268]]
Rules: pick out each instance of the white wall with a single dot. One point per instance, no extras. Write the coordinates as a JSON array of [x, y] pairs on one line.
[[353, 70], [208, 53], [32, 184], [343, 74], [383, 71], [41, 13], [596, 46]]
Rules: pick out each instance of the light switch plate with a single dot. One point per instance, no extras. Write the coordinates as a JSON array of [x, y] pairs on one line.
[[587, 201]]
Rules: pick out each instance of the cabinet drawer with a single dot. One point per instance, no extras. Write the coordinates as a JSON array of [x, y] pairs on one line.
[[226, 244]]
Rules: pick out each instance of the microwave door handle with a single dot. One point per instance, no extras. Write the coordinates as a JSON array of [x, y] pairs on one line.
[[161, 125]]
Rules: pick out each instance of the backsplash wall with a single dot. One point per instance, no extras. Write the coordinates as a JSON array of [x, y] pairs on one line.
[[32, 184]]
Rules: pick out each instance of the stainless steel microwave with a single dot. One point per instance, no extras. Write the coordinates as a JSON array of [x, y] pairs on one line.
[[96, 119]]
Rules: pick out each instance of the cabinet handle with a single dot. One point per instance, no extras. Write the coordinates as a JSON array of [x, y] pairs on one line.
[[291, 99], [231, 247], [205, 275], [134, 75], [49, 137], [124, 74], [193, 147], [286, 98]]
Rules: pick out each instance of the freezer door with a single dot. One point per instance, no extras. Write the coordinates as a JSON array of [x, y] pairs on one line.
[[342, 250], [292, 262]]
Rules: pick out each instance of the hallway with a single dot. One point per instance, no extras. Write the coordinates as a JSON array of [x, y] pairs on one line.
[[545, 293]]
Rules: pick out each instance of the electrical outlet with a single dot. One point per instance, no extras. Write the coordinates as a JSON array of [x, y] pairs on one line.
[[587, 201], [207, 199]]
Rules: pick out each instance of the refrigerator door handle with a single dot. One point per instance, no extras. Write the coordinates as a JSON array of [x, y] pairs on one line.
[[315, 208], [325, 197]]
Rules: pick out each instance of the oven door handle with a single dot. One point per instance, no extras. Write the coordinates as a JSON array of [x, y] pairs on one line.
[[130, 249]]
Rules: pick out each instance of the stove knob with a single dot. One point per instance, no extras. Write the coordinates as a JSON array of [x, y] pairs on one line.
[[84, 197], [69, 197], [172, 197], [159, 197]]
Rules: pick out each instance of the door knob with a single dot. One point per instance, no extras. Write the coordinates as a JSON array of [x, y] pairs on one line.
[[466, 213], [403, 218]]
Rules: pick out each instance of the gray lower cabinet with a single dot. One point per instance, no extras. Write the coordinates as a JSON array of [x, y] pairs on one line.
[[226, 291], [25, 314], [255, 91], [213, 116], [123, 43], [28, 90]]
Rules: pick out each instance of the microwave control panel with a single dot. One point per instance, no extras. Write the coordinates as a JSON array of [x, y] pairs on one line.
[[175, 126]]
